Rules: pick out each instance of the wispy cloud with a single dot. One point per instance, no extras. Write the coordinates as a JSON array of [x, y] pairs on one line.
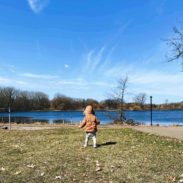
[[149, 73], [101, 69], [100, 59], [72, 82], [11, 68], [38, 76], [122, 27], [8, 67], [116, 71], [158, 84], [102, 84], [155, 77], [93, 59], [4, 81], [161, 7], [37, 5], [81, 82]]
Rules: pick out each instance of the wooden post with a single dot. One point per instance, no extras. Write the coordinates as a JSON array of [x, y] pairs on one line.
[[151, 108], [9, 117]]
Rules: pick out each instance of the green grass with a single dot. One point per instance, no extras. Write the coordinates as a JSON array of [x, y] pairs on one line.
[[124, 155]]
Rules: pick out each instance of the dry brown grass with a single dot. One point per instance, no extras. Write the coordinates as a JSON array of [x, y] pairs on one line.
[[56, 155]]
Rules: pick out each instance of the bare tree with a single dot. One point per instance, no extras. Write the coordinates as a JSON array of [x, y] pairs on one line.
[[22, 101], [141, 99], [8, 96], [119, 94], [41, 101], [62, 102], [176, 45]]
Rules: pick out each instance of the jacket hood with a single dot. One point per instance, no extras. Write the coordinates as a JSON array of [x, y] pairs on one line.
[[88, 110]]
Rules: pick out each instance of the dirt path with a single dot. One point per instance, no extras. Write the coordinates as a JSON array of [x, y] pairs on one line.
[[171, 131]]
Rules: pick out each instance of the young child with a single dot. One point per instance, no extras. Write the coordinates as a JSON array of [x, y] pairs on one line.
[[90, 123]]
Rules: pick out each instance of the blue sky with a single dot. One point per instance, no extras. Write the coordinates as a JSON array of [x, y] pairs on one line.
[[80, 48]]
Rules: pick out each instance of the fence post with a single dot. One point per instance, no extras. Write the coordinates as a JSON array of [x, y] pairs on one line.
[[9, 117], [151, 108]]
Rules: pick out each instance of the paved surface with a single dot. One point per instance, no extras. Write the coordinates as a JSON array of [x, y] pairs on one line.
[[173, 132]]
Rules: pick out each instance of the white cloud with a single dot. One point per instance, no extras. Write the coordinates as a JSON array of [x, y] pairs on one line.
[[39, 76], [66, 66], [37, 5]]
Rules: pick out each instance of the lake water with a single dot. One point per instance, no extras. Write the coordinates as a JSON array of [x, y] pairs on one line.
[[159, 117]]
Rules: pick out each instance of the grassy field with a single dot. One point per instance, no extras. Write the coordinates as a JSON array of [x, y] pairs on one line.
[[123, 155]]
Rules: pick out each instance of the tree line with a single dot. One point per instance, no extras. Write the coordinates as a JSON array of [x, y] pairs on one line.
[[19, 100]]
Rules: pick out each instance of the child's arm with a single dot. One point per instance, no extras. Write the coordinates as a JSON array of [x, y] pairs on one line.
[[97, 121], [83, 123]]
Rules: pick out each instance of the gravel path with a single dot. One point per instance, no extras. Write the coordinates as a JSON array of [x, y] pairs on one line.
[[170, 131]]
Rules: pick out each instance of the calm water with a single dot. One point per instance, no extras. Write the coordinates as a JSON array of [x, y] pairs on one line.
[[159, 117]]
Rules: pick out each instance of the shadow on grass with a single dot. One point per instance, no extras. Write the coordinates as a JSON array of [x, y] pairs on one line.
[[107, 144]]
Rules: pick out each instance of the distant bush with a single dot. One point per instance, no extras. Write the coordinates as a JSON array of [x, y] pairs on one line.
[[132, 122], [137, 108], [127, 122]]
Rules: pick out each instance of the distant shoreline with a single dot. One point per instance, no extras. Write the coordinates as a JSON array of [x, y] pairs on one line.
[[97, 110]]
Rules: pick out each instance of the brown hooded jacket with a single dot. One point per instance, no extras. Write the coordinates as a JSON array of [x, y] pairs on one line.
[[90, 121]]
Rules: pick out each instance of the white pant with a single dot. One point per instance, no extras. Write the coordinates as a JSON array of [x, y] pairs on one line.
[[88, 135]]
